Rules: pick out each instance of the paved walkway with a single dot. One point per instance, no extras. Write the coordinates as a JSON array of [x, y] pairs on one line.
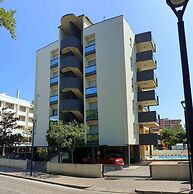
[[116, 182]]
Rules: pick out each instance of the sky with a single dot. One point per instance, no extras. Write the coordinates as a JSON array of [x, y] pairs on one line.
[[37, 26]]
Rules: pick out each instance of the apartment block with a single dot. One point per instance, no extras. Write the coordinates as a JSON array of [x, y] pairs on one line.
[[167, 123], [22, 109], [101, 75]]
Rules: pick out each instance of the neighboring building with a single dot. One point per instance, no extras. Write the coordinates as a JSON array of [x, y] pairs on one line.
[[167, 123], [102, 75], [22, 109]]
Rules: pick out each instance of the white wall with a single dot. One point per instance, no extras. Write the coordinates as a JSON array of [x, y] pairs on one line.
[[115, 116], [42, 93], [83, 170]]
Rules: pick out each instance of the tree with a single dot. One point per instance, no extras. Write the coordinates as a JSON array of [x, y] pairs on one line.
[[7, 124], [66, 135], [173, 136], [7, 20]]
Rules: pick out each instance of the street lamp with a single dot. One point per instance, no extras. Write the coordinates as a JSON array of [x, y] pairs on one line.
[[188, 143], [178, 7], [32, 147]]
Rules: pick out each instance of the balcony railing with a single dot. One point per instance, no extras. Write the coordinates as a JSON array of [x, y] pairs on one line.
[[54, 81], [54, 63], [53, 99], [90, 70], [147, 98], [150, 118], [144, 42], [91, 92], [91, 138], [91, 49], [92, 114]]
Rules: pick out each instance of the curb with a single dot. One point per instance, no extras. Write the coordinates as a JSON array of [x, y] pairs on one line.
[[161, 192], [45, 181]]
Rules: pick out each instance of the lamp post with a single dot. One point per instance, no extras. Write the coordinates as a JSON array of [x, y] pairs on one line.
[[32, 148], [188, 143], [178, 7]]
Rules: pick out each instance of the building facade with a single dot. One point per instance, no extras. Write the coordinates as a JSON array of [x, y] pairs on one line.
[[23, 110], [166, 123], [101, 75]]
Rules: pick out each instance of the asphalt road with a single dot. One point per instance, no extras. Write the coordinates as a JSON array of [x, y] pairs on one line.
[[11, 185]]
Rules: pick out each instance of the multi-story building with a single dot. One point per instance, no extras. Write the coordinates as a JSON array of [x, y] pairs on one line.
[[103, 76], [23, 110], [166, 123]]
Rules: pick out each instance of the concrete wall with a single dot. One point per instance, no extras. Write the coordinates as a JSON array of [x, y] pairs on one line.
[[13, 163], [82, 170], [114, 86], [170, 170], [42, 93]]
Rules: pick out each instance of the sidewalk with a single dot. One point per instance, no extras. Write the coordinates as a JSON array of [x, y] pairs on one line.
[[113, 184]]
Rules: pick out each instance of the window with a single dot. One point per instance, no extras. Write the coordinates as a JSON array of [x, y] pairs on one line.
[[55, 112], [131, 44], [91, 42], [92, 105], [92, 62], [92, 83], [131, 62], [93, 129], [21, 118], [133, 102], [22, 109], [31, 110], [10, 106], [0, 103]]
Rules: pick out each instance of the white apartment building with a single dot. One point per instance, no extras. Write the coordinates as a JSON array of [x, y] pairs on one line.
[[22, 109], [103, 76]]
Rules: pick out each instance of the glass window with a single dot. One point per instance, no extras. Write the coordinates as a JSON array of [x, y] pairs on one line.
[[93, 129], [91, 42], [0, 103], [92, 83], [92, 62], [130, 42], [55, 112], [92, 105], [10, 106], [22, 109]]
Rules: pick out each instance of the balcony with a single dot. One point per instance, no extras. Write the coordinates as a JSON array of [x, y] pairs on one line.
[[90, 50], [145, 61], [54, 118], [54, 81], [53, 100], [73, 84], [148, 119], [92, 115], [72, 105], [147, 98], [53, 63], [144, 42], [90, 72], [91, 92], [71, 63], [146, 80], [71, 44], [92, 138]]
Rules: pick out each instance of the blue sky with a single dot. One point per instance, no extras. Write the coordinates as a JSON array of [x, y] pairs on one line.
[[37, 23]]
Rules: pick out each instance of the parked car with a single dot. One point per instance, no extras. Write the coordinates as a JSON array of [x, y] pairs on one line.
[[112, 160]]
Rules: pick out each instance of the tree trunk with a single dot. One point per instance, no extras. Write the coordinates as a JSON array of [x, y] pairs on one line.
[[72, 156], [59, 154]]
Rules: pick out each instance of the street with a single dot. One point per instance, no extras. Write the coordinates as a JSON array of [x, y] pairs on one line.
[[11, 185]]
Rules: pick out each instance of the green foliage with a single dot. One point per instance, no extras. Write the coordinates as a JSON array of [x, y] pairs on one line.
[[7, 124], [173, 136], [65, 135], [7, 20]]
